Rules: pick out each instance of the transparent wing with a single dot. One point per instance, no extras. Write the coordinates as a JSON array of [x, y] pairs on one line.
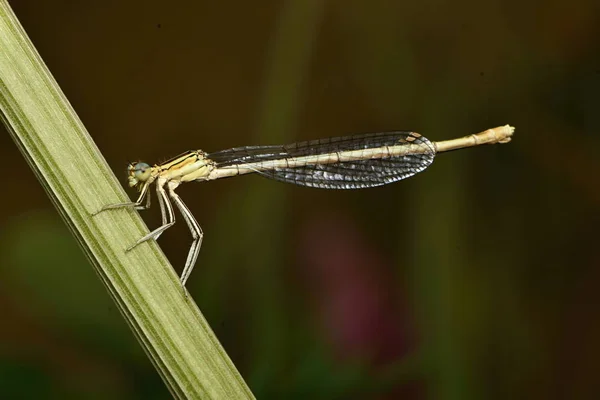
[[372, 170]]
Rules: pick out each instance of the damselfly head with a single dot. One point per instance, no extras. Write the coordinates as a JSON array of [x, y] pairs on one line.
[[138, 172]]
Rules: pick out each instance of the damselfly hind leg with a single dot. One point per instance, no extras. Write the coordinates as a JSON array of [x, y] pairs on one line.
[[195, 230]]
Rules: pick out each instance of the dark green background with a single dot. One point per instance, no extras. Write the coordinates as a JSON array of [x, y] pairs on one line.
[[477, 279]]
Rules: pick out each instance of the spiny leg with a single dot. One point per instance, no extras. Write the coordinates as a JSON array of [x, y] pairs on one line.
[[136, 204], [163, 213], [195, 229], [169, 218]]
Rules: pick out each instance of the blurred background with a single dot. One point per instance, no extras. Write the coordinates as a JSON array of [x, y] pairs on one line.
[[476, 279]]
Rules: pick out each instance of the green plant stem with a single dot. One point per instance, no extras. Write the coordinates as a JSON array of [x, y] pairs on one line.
[[142, 283]]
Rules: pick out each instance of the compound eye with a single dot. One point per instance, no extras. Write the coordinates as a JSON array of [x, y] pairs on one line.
[[141, 171], [138, 172]]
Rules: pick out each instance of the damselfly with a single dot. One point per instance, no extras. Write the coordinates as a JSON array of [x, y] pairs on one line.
[[350, 162]]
